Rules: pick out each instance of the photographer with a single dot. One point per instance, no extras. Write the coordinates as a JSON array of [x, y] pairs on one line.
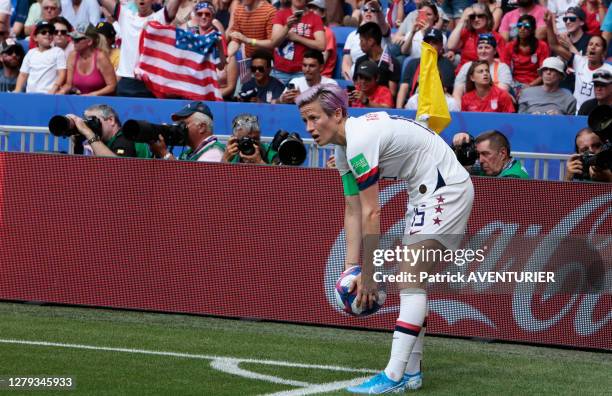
[[245, 145], [587, 143], [203, 146], [108, 140], [487, 155]]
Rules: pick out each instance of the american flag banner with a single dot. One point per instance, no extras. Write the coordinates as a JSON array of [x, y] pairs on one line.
[[244, 66], [175, 63], [386, 57]]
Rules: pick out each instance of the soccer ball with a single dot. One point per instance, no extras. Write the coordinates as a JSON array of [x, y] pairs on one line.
[[348, 301]]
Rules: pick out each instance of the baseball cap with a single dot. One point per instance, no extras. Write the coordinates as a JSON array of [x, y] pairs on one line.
[[84, 30], [317, 3], [106, 29], [554, 63], [487, 38], [8, 44], [367, 69], [433, 34], [602, 76], [193, 107], [576, 11], [44, 25]]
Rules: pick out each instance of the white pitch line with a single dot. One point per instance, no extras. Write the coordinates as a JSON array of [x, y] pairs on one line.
[[319, 388], [230, 366], [188, 355]]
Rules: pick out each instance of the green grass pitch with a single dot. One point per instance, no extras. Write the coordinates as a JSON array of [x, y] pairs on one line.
[[125, 353]]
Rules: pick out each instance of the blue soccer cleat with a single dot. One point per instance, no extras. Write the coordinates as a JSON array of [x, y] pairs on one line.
[[412, 382], [378, 385]]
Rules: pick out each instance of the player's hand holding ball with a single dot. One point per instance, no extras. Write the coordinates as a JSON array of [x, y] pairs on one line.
[[350, 287]]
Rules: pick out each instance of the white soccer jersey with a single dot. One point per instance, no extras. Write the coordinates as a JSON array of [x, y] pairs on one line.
[[382, 146]]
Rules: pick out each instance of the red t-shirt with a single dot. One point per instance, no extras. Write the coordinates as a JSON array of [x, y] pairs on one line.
[[593, 24], [382, 95], [497, 101], [330, 45], [288, 55], [525, 66], [469, 47]]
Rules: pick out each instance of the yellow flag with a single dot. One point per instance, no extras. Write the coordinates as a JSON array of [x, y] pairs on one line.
[[431, 103]]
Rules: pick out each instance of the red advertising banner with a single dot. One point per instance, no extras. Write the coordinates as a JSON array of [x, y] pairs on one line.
[[267, 242]]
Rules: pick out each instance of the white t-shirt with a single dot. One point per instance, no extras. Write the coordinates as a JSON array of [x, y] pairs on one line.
[[5, 7], [583, 90], [301, 84], [382, 146], [131, 25], [558, 8], [504, 74], [89, 12], [42, 68]]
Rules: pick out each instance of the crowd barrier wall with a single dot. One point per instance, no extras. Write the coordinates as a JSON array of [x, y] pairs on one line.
[[539, 134], [267, 242]]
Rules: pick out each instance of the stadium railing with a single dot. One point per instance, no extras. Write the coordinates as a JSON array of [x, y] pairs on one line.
[[539, 164]]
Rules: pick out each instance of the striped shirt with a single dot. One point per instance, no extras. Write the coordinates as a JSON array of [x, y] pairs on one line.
[[256, 24]]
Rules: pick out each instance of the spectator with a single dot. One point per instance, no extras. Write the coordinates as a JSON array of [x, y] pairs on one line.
[[312, 65], [481, 94], [294, 31], [486, 51], [548, 98], [455, 9], [330, 55], [183, 13], [526, 54], [410, 77], [5, 16], [606, 26], [44, 67], [602, 82], [368, 92], [81, 12], [496, 11], [587, 142], [352, 51], [224, 8], [494, 158], [11, 57], [584, 65], [107, 42], [61, 38], [203, 145], [508, 27], [19, 17], [262, 88], [406, 26], [109, 141], [389, 70], [428, 17], [559, 8], [595, 11], [90, 72], [476, 20], [49, 9], [245, 144], [574, 20], [131, 23], [252, 26]]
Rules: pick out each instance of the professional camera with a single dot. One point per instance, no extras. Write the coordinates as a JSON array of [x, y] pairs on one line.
[[466, 153], [290, 148], [600, 121], [246, 145], [64, 127], [246, 96], [145, 132]]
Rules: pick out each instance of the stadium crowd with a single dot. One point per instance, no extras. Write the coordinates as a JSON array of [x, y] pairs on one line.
[[547, 57]]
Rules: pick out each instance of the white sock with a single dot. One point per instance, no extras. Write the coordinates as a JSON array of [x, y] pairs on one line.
[[413, 308], [414, 361]]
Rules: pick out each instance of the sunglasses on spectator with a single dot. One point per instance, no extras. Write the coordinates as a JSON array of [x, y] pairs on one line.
[[480, 16], [600, 84], [525, 25], [49, 8], [569, 19], [260, 69], [61, 32], [372, 10], [44, 32], [10, 52], [204, 13]]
